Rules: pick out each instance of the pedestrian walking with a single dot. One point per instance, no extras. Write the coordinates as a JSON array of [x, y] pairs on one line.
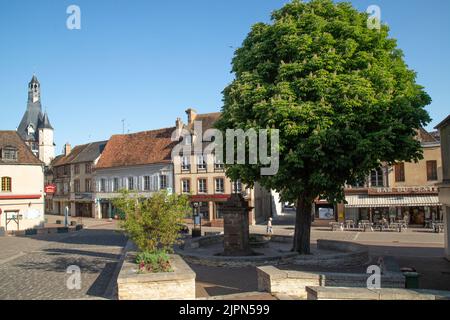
[[269, 226]]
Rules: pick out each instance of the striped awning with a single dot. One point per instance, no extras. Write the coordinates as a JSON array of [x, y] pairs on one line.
[[366, 201]]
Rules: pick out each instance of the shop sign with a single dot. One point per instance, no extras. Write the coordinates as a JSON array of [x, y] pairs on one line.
[[404, 190], [83, 196], [50, 189]]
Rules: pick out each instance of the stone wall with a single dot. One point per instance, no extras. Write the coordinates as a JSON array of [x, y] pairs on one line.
[[176, 285], [276, 281], [323, 293]]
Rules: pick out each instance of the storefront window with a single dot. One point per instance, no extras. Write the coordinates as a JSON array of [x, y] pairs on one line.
[[364, 214], [219, 214], [204, 210]]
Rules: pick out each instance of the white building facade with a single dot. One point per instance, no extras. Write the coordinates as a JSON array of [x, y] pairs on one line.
[[141, 180], [140, 163]]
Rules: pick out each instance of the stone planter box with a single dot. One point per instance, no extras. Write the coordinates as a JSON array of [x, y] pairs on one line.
[[31, 232], [63, 230], [176, 285], [294, 283]]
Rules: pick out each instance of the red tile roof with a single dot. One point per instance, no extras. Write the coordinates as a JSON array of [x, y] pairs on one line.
[[12, 139], [148, 147], [425, 137], [207, 119]]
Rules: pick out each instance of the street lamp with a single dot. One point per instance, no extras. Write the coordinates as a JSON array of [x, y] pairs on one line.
[[197, 229]]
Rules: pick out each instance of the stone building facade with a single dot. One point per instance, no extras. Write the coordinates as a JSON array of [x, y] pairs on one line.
[[73, 175], [444, 187], [403, 191], [201, 176]]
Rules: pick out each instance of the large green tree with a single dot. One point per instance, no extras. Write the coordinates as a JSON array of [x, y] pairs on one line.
[[340, 93]]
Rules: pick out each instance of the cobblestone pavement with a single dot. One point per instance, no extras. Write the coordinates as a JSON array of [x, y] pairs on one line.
[[36, 267], [417, 248]]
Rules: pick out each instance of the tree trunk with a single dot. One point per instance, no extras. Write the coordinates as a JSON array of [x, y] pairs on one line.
[[302, 236]]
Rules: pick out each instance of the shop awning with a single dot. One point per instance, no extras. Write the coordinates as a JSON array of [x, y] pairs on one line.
[[366, 201]]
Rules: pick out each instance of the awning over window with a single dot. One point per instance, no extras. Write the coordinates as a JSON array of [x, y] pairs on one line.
[[366, 201]]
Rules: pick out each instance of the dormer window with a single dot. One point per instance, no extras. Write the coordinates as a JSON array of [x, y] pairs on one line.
[[30, 130], [9, 154], [187, 140]]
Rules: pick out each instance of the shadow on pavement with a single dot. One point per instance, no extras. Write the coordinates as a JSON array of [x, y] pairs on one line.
[[98, 237], [222, 281]]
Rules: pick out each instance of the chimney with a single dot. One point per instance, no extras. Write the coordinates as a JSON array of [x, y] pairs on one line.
[[67, 149], [191, 113], [179, 124]]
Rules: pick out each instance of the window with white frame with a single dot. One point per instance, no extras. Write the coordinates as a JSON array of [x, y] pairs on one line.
[[88, 185], [220, 187], [163, 182], [147, 183], [376, 178], [9, 154], [102, 185], [201, 162], [187, 139], [76, 186], [185, 163], [202, 187], [237, 186], [115, 184], [130, 183], [186, 186], [218, 163]]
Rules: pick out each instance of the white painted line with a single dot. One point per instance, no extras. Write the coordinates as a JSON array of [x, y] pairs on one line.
[[12, 258]]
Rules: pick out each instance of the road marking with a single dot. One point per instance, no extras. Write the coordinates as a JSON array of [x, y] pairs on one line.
[[356, 236], [12, 258]]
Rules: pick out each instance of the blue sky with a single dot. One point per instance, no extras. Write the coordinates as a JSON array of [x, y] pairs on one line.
[[148, 61]]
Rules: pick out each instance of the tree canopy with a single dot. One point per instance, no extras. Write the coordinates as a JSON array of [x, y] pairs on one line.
[[340, 93]]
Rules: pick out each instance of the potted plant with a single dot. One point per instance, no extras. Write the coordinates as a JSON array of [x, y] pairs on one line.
[[153, 225]]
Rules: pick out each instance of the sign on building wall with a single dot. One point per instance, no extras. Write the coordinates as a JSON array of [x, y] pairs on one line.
[[50, 189], [326, 213]]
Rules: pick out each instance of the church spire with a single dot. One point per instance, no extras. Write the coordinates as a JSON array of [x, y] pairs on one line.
[[34, 90], [45, 122]]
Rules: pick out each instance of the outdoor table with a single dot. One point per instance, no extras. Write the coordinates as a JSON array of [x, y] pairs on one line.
[[349, 224], [397, 225], [438, 227], [337, 225], [366, 225]]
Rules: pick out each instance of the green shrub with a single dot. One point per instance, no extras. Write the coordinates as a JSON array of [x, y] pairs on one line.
[[153, 262], [154, 223]]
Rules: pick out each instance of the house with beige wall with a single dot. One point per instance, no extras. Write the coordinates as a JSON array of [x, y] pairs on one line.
[[22, 185], [444, 187], [201, 176], [73, 174], [406, 190]]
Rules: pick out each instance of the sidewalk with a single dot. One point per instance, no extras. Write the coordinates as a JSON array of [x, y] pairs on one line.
[[86, 222]]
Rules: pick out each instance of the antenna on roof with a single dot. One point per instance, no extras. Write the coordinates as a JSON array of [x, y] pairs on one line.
[[123, 126]]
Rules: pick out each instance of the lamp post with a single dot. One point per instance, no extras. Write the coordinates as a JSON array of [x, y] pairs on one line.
[[197, 229]]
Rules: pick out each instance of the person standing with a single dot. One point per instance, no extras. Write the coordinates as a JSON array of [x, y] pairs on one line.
[[269, 226]]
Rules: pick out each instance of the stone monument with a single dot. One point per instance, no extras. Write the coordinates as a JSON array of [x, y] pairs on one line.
[[236, 227]]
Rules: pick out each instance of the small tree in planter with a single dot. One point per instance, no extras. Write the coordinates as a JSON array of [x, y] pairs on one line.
[[154, 225]]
